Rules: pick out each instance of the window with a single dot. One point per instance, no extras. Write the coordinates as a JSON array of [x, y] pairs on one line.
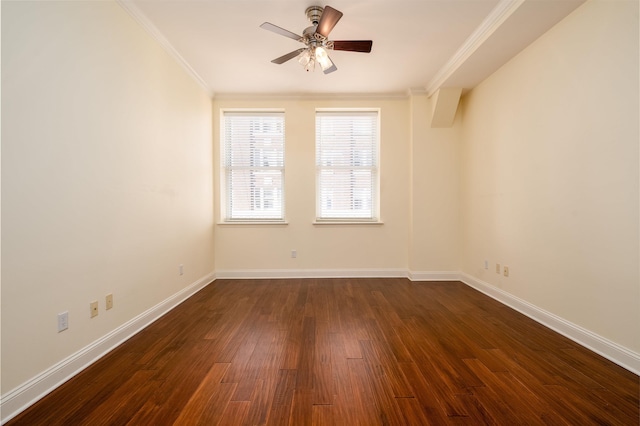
[[347, 165], [253, 165]]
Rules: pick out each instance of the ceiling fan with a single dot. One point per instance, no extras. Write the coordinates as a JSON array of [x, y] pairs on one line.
[[315, 39]]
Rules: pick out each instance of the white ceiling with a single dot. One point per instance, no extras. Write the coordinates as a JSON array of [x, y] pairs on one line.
[[417, 44]]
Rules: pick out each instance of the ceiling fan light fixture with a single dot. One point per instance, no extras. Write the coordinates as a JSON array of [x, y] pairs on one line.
[[311, 65], [323, 58], [309, 57], [304, 57]]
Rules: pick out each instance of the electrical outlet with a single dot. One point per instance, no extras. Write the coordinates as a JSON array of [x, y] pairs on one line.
[[93, 309], [63, 321], [506, 271], [294, 254], [181, 269], [486, 264], [109, 301], [497, 268]]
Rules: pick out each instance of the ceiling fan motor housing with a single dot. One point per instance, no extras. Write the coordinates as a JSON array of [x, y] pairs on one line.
[[314, 13]]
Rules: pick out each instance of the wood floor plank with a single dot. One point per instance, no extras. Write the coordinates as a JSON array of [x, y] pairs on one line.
[[349, 321], [521, 401], [285, 303], [368, 412], [590, 403], [450, 368], [241, 341], [214, 408], [180, 378], [263, 363], [323, 415], [478, 413], [260, 403], [495, 404], [200, 406], [621, 405], [240, 358], [387, 407], [432, 405], [145, 415], [306, 357], [85, 394], [345, 352], [412, 412], [322, 366], [302, 406], [283, 397], [535, 407], [269, 371], [345, 395], [380, 359], [573, 409], [538, 385], [384, 309], [294, 327], [424, 354], [234, 414], [318, 302], [125, 402], [602, 371], [385, 324]]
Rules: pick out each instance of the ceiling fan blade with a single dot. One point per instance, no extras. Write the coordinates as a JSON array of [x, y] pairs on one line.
[[363, 46], [328, 20], [284, 58], [276, 29]]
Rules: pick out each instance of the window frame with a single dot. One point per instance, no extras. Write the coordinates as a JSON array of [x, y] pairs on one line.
[[225, 169], [375, 218]]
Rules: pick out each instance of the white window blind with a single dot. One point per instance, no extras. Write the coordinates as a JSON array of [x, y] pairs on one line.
[[347, 165], [253, 163]]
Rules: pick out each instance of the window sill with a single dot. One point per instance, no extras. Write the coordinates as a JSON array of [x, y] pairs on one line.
[[348, 222], [254, 222]]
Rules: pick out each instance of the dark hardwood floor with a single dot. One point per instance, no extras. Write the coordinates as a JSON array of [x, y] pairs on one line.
[[344, 352]]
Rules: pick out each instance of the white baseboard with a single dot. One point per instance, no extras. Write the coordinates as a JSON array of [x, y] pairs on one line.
[[311, 273], [434, 276], [614, 352], [20, 398], [339, 273]]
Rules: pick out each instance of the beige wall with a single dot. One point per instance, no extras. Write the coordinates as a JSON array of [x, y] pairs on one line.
[[419, 208], [434, 236], [106, 178], [252, 248], [549, 173], [419, 198]]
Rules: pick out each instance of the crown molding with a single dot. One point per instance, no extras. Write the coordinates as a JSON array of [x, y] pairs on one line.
[[155, 33], [491, 23], [416, 91], [309, 96]]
